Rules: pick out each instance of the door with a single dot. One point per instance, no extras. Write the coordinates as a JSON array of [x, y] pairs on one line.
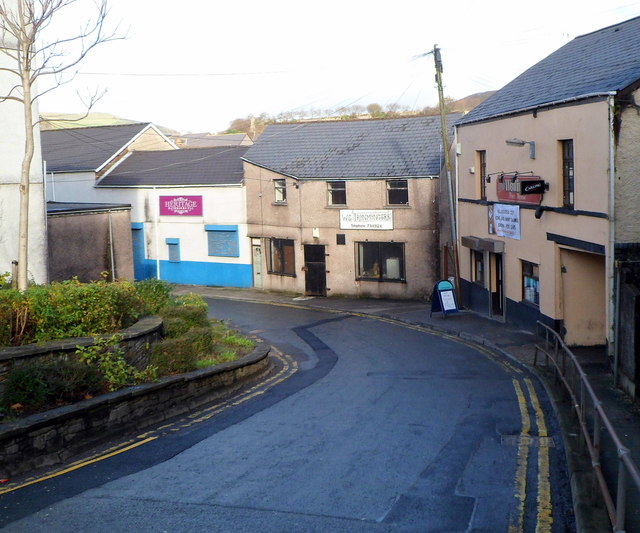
[[257, 266], [315, 270], [497, 285]]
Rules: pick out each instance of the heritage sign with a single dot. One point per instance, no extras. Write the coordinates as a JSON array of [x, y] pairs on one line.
[[185, 206]]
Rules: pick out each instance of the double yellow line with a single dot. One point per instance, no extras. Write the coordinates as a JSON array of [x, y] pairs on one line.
[[544, 518], [288, 367]]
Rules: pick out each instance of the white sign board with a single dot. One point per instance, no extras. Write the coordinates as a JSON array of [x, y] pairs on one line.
[[506, 221], [373, 219]]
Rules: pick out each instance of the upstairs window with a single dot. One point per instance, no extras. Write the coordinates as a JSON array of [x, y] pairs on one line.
[[482, 172], [337, 192], [397, 192], [567, 173], [280, 191]]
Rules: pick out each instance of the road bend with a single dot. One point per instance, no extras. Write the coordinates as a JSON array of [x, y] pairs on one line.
[[366, 425]]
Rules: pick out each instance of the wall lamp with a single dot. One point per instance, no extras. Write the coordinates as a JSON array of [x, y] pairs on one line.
[[520, 142], [515, 177]]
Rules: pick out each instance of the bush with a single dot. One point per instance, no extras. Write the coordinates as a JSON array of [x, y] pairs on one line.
[[71, 380], [156, 295], [192, 316], [28, 386], [173, 356]]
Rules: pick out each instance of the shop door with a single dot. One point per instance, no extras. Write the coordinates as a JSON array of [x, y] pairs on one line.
[[257, 266], [497, 285], [315, 270]]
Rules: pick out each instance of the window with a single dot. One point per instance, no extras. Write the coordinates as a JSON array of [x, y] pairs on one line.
[[337, 191], [567, 173], [477, 267], [530, 283], [397, 192], [282, 257], [482, 172], [174, 250], [380, 261], [222, 241], [280, 189]]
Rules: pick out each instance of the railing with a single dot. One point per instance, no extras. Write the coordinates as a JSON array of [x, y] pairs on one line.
[[588, 408]]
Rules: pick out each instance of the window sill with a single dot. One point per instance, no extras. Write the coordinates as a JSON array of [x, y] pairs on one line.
[[336, 206], [382, 280], [397, 206], [281, 274], [530, 304], [279, 203]]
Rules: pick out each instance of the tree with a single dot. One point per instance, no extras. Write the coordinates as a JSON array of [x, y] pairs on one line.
[[23, 25]]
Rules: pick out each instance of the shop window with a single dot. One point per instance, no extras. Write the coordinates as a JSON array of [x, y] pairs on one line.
[[222, 241], [282, 257], [477, 267], [380, 261], [174, 250], [567, 173], [280, 191], [397, 192], [530, 283], [482, 172], [337, 191]]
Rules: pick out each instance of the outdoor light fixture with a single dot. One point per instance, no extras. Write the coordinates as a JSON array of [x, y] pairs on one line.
[[520, 142], [538, 212], [501, 178], [515, 177], [488, 178]]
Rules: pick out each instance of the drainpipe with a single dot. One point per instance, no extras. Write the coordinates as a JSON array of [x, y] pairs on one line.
[[111, 249], [611, 266], [157, 217]]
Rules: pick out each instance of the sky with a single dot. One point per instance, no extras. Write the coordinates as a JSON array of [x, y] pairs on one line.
[[196, 65]]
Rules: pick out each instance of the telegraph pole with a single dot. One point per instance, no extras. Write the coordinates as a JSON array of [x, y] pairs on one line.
[[447, 160]]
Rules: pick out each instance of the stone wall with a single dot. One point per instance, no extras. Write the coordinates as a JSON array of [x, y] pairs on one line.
[[55, 436], [136, 343]]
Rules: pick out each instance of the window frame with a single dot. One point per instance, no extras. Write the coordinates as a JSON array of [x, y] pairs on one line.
[[478, 275], [280, 191], [390, 188], [379, 250], [482, 172], [530, 282], [279, 266], [333, 187], [233, 241], [173, 250], [568, 173]]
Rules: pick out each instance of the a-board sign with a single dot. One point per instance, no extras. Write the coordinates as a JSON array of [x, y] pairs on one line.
[[443, 299]]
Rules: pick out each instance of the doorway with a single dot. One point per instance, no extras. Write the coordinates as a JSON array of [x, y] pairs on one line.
[[496, 284], [257, 265], [315, 270]]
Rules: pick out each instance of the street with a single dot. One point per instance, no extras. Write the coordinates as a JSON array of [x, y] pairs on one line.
[[372, 426]]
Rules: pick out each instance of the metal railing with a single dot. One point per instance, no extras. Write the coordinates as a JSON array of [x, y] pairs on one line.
[[590, 412]]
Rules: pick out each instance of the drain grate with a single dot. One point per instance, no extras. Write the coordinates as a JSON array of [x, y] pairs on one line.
[[527, 440]]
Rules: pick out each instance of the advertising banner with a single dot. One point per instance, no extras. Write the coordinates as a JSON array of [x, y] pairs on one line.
[[504, 220], [185, 206], [374, 219]]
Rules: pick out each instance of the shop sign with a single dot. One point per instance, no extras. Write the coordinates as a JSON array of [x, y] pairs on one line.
[[371, 219], [521, 190], [186, 206], [504, 220]]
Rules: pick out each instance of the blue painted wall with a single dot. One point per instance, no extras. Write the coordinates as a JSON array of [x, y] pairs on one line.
[[197, 273]]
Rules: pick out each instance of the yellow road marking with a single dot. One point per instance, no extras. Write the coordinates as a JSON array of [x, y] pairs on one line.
[[516, 525], [289, 367], [545, 518]]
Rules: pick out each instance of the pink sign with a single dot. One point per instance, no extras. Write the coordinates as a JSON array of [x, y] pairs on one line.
[[186, 206]]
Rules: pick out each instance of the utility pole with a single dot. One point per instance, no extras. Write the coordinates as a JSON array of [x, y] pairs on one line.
[[447, 161]]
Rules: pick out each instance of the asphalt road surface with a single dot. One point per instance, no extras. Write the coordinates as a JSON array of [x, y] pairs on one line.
[[366, 425]]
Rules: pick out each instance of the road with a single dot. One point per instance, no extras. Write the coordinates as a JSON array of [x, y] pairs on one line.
[[371, 426]]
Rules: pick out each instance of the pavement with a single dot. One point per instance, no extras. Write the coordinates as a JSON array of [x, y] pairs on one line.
[[517, 345]]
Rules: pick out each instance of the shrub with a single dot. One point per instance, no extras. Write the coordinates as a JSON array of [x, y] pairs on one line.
[[155, 293], [173, 356], [192, 316], [27, 385]]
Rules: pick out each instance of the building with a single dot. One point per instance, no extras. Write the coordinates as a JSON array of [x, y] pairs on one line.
[[346, 208], [547, 193], [188, 214], [12, 150]]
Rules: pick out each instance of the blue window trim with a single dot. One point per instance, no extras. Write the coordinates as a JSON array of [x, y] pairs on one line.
[[176, 250], [233, 243], [137, 225]]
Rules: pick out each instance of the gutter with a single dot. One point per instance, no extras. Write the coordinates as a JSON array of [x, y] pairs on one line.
[[611, 266]]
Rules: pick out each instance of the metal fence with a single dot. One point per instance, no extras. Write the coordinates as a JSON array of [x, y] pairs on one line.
[[594, 424]]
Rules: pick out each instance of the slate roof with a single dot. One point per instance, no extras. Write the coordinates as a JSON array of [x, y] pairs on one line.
[[85, 149], [606, 60], [400, 147], [199, 166], [206, 140]]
